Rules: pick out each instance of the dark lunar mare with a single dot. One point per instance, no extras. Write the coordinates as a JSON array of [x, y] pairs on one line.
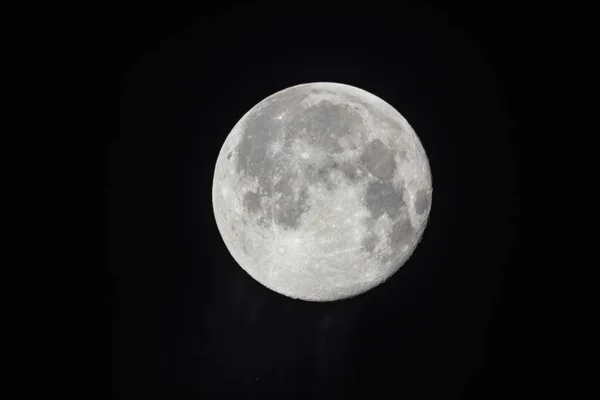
[[323, 124]]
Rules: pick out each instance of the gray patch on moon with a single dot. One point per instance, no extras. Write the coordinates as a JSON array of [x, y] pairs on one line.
[[252, 155], [401, 236], [252, 202], [323, 124], [259, 131], [379, 159], [290, 205], [382, 197], [402, 232], [421, 201]]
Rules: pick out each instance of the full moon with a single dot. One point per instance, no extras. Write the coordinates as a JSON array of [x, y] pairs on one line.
[[322, 191]]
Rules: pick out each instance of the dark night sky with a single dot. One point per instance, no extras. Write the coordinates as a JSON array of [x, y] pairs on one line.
[[188, 322]]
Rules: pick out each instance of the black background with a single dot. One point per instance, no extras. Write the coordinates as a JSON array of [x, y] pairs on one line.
[[187, 322]]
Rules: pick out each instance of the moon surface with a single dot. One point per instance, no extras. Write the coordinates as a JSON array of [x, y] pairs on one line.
[[322, 191]]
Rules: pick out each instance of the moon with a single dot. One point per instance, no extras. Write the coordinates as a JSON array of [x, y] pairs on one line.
[[322, 191]]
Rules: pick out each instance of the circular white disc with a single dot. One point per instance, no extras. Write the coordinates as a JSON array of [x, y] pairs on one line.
[[321, 191]]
